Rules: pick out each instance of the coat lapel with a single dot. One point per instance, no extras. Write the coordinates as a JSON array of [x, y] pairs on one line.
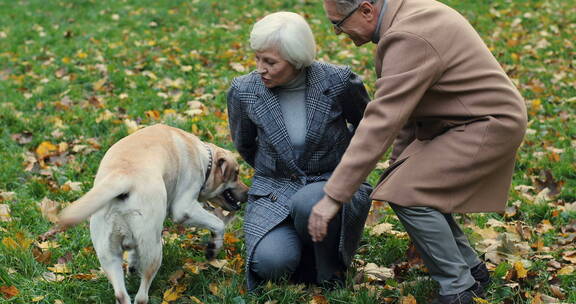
[[318, 107]]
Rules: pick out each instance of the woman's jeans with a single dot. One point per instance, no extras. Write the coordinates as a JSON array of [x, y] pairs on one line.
[[287, 251]]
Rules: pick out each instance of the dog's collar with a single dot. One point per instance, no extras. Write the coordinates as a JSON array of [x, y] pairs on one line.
[[207, 175]]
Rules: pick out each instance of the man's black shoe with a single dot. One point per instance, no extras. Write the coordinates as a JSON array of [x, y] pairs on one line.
[[481, 275], [465, 297]]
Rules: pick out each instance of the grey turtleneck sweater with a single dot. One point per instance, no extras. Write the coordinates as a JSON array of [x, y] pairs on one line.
[[292, 98]]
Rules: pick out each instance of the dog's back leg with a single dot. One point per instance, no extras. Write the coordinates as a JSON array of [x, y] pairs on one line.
[[149, 265], [109, 251], [147, 231]]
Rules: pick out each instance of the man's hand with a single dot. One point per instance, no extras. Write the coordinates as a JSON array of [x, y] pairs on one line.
[[321, 214]]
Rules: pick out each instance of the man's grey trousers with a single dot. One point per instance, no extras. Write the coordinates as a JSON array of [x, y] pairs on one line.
[[443, 246]]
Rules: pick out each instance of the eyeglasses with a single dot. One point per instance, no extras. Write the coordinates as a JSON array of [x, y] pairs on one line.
[[338, 24]]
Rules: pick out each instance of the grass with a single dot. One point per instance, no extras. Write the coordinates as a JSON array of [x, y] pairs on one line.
[[82, 74]]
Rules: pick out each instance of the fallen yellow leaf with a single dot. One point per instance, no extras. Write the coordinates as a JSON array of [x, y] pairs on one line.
[[59, 268], [195, 300], [520, 270], [229, 238], [153, 114], [566, 270], [174, 293], [45, 149], [408, 300]]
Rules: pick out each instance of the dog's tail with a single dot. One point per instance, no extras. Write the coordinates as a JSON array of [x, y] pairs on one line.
[[113, 186]]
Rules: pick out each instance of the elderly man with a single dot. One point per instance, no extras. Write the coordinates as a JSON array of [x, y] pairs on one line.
[[454, 119]]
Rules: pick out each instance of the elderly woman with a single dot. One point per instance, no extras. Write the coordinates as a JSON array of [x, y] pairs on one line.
[[292, 120]]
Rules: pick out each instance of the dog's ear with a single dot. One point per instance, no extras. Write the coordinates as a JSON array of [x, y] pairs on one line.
[[225, 167], [221, 166]]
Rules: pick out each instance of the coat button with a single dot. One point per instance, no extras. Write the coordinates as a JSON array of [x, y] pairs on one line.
[[294, 178], [273, 198]]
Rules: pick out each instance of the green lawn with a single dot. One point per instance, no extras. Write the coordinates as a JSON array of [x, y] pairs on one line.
[[76, 76]]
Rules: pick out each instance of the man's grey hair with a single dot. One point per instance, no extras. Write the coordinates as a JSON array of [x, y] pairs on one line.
[[289, 33], [344, 7]]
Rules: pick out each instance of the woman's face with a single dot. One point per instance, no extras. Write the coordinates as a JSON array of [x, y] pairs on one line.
[[273, 69]]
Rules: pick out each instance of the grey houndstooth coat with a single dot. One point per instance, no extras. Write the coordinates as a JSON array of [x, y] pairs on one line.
[[335, 102]]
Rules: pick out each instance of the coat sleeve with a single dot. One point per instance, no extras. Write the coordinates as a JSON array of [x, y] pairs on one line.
[[354, 100], [410, 66], [242, 129]]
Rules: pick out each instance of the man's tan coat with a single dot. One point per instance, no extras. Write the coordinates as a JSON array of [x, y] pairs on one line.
[[455, 115]]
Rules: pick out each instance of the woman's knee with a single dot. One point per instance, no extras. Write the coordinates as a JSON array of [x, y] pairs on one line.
[[275, 264], [304, 200], [278, 253]]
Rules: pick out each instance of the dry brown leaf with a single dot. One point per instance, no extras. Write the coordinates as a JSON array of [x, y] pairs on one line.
[[85, 276], [49, 209], [106, 115], [47, 245], [569, 256], [238, 67], [381, 229], [71, 186], [544, 227], [7, 196], [375, 272], [486, 233], [42, 256], [9, 291], [52, 277], [213, 287], [99, 85], [557, 291], [175, 276], [319, 299], [218, 263], [5, 213]]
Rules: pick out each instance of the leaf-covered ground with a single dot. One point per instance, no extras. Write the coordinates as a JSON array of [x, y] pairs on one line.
[[76, 76]]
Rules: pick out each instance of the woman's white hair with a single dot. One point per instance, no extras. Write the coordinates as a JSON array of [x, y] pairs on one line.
[[289, 33]]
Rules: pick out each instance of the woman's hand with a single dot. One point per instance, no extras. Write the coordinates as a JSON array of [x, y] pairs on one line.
[[320, 216]]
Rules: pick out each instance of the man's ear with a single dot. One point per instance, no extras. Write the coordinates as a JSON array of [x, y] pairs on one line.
[[367, 9]]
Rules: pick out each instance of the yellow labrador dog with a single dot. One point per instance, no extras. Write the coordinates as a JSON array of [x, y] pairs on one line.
[[143, 177]]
